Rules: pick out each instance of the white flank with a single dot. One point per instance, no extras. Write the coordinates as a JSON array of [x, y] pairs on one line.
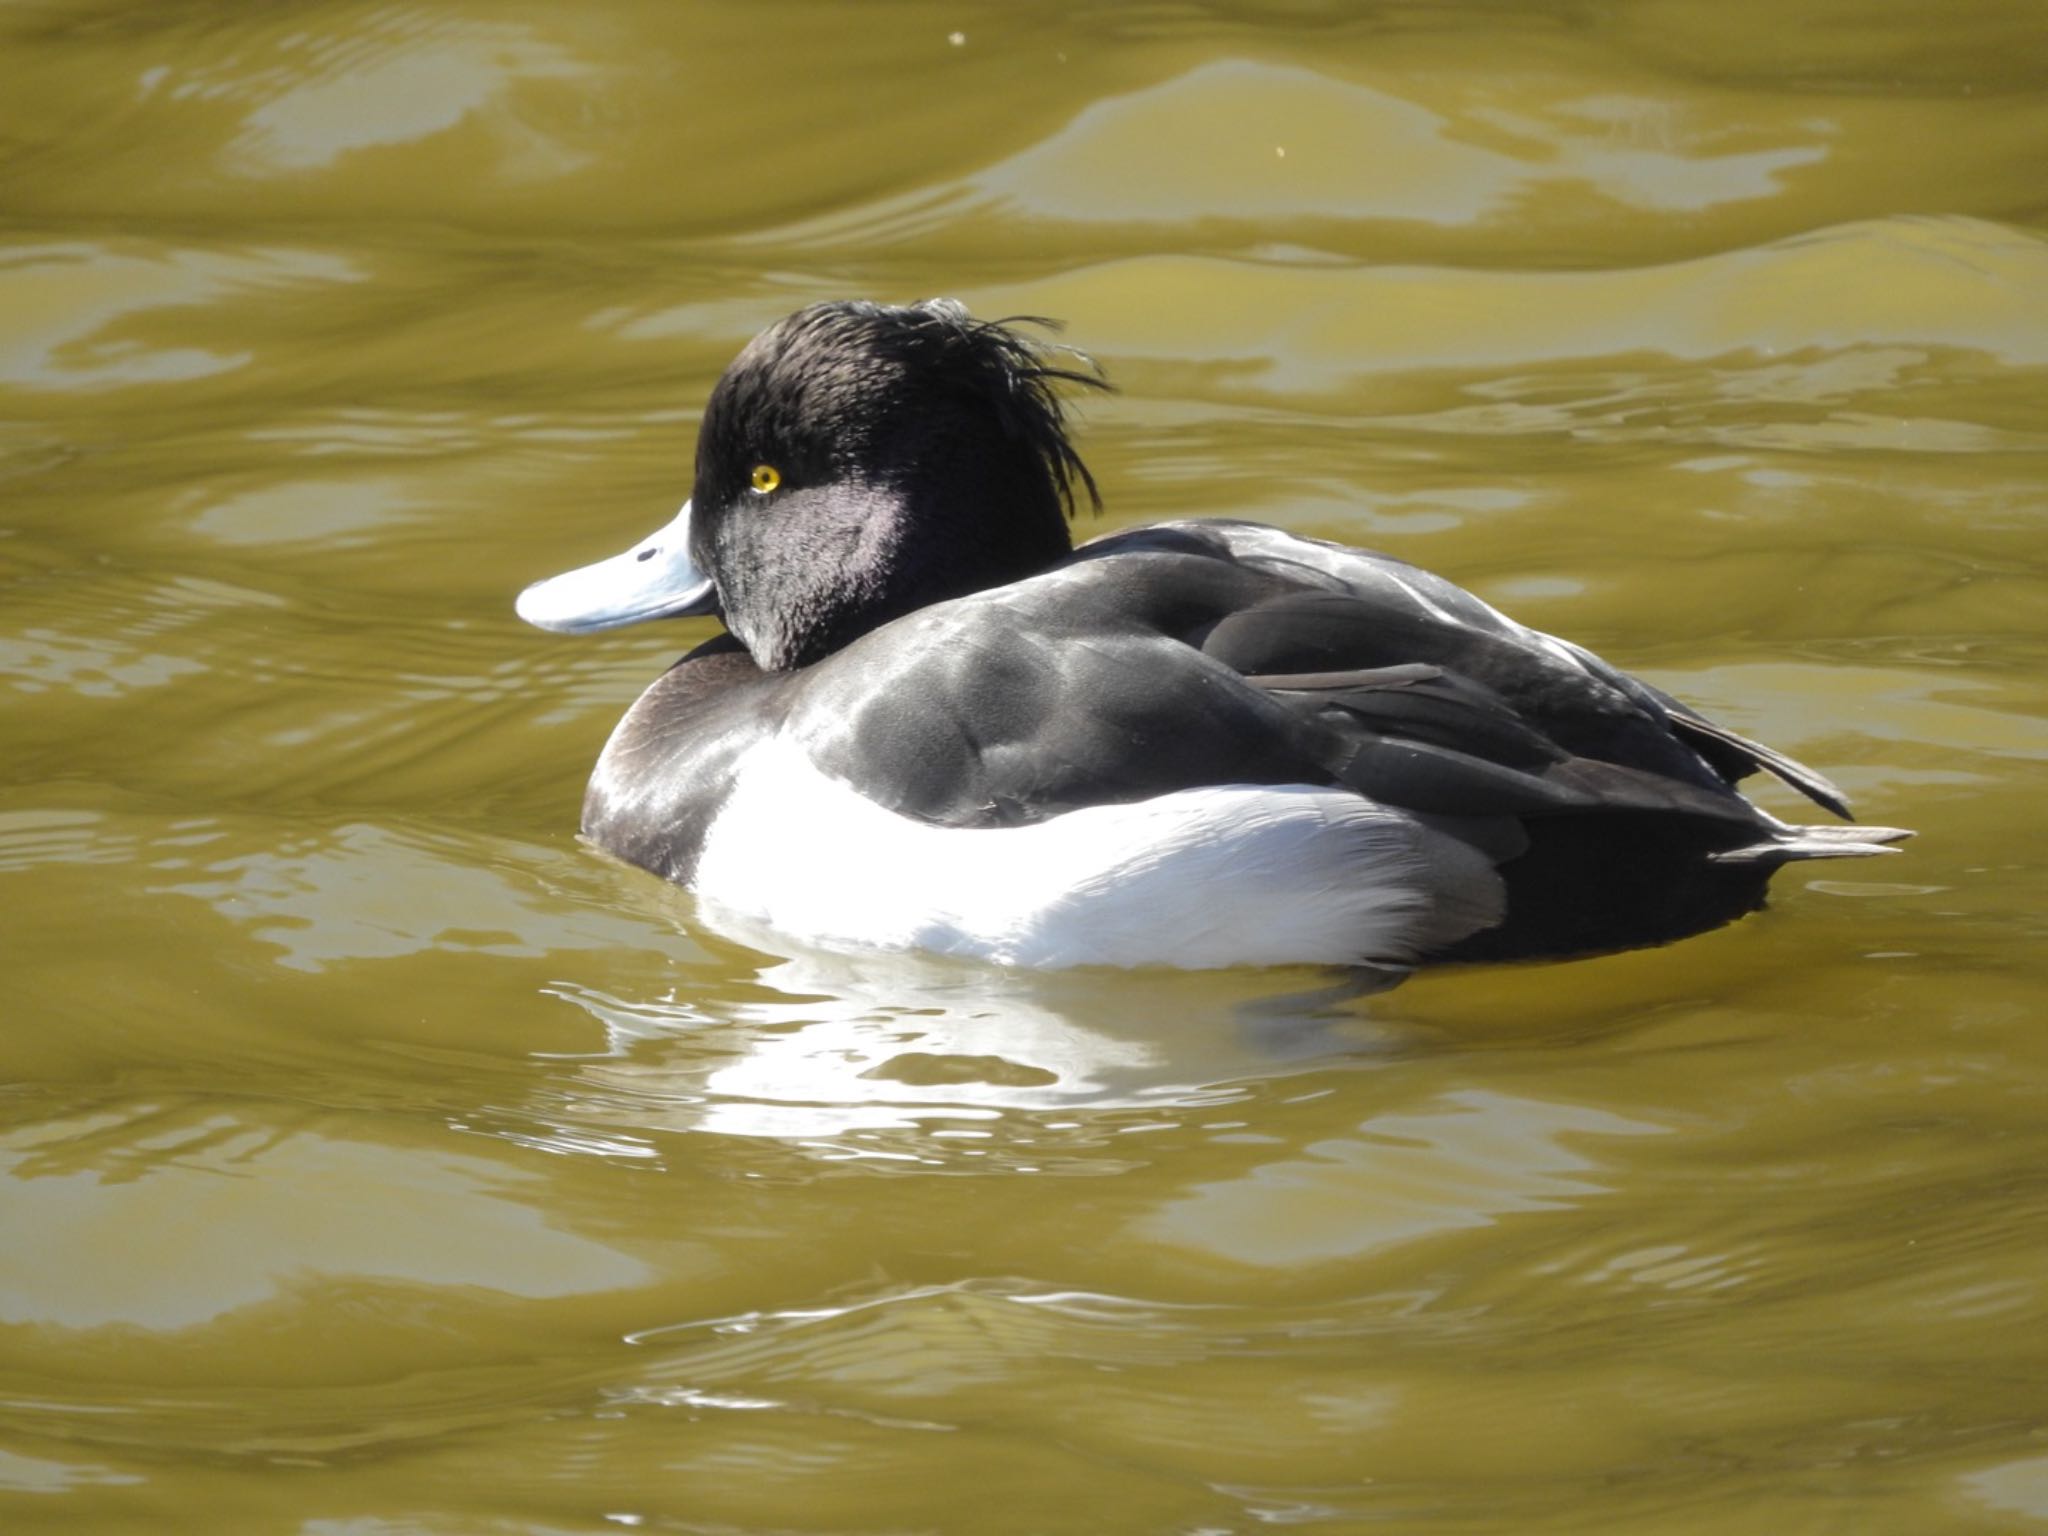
[[1228, 875]]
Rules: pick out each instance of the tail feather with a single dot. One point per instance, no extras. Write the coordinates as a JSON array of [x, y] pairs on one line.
[[1794, 843], [1726, 749]]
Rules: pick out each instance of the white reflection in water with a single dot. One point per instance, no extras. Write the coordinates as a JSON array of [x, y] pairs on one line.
[[1242, 138], [1214, 138], [2017, 1487], [818, 1045], [391, 77], [361, 891], [234, 1210], [1891, 284], [1464, 1161], [333, 512], [35, 1474], [68, 304]]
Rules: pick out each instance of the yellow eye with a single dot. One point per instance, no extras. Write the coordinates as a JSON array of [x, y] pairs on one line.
[[766, 478]]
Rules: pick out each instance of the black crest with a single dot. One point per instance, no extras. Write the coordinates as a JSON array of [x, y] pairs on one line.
[[860, 373]]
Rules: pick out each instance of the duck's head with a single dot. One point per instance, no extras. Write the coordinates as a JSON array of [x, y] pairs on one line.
[[856, 462]]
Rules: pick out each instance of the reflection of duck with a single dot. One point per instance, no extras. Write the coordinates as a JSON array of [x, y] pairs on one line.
[[820, 1044], [934, 724]]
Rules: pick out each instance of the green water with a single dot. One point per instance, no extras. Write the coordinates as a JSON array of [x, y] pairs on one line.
[[374, 1159]]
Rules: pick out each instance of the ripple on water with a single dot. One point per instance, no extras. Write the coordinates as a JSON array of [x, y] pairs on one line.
[[1217, 138], [159, 1176], [78, 303], [1894, 283], [1464, 1162], [920, 1060]]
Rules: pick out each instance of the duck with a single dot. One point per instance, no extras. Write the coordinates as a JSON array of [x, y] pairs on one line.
[[932, 722]]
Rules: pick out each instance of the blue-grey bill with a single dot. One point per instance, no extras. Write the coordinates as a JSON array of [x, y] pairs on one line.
[[655, 579]]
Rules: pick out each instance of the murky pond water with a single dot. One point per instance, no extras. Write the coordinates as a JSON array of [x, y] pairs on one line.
[[375, 1158]]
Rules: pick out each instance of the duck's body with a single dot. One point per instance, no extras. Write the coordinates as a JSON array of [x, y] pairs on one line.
[[1199, 743]]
